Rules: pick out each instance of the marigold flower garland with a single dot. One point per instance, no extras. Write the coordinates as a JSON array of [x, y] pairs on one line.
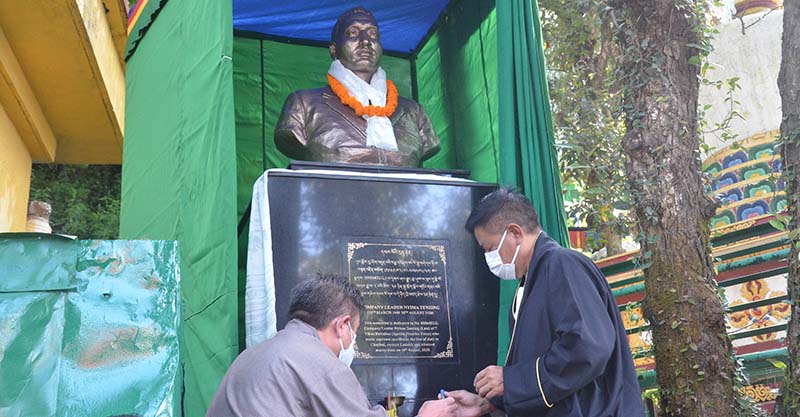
[[360, 109]]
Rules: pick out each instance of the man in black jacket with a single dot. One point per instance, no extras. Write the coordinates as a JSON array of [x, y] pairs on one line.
[[569, 353]]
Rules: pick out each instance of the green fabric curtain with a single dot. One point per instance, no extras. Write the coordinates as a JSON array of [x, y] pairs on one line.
[[179, 175], [457, 79], [527, 153]]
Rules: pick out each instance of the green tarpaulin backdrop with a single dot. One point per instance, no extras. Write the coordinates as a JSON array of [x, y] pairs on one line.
[[88, 328], [201, 109]]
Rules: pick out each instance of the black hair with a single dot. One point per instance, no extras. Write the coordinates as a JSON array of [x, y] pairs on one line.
[[321, 299], [347, 15], [502, 207]]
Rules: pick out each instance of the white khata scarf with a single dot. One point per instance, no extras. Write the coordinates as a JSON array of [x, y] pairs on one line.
[[380, 133]]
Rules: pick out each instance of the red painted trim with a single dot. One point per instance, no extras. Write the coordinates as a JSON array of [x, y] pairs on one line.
[[750, 270], [769, 407], [648, 367], [605, 263], [630, 298], [760, 347]]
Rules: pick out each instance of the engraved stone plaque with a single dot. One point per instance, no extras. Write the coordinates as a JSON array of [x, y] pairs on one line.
[[405, 292]]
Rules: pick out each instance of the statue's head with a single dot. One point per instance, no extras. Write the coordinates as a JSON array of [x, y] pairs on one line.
[[356, 42]]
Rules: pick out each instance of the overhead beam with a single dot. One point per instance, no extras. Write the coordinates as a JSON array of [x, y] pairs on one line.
[[98, 44], [22, 107], [117, 16]]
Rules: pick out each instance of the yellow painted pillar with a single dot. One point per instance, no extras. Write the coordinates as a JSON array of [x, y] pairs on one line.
[[15, 177]]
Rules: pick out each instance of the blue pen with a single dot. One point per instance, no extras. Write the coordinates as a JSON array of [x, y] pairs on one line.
[[441, 393]]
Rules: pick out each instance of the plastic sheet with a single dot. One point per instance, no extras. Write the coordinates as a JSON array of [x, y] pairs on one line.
[[105, 346], [403, 24], [37, 262]]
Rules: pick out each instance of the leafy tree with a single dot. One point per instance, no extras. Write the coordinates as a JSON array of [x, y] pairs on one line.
[[85, 198], [586, 99]]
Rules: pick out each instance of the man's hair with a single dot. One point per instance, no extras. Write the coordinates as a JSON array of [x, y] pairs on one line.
[[500, 208], [319, 300], [339, 26]]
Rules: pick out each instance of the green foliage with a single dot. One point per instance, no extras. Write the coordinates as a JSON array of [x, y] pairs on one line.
[[588, 119], [85, 198], [652, 395], [778, 364]]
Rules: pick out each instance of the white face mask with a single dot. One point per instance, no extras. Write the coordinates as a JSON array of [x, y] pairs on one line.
[[347, 355], [495, 262]]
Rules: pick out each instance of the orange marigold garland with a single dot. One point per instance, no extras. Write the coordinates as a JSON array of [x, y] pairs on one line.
[[360, 109]]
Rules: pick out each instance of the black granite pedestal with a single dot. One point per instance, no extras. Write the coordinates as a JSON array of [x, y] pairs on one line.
[[432, 302]]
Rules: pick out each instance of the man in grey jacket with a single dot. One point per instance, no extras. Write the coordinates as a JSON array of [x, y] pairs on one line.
[[305, 369]]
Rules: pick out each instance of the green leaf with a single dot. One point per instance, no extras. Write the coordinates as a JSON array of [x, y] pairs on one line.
[[777, 225], [694, 60], [675, 324], [778, 364], [622, 205], [693, 346]]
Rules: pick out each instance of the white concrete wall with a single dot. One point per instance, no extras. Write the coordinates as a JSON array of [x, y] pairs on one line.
[[755, 58]]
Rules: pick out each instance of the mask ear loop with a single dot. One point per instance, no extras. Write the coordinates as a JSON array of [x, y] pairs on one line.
[[502, 239], [352, 337], [516, 252], [352, 334], [341, 343]]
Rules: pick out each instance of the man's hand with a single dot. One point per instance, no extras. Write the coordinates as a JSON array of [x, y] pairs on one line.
[[439, 408], [469, 404], [489, 382]]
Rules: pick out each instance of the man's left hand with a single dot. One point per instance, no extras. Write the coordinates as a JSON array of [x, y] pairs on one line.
[[489, 382]]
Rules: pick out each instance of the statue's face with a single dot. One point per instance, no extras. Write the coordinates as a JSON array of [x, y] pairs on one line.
[[358, 46]]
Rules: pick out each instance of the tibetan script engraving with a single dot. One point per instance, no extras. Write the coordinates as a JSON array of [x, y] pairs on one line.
[[405, 293]]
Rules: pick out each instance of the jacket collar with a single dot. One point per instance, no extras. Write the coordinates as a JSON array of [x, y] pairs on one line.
[[300, 326], [357, 123], [543, 245]]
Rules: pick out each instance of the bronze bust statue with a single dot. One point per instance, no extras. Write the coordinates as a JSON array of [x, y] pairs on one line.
[[358, 117]]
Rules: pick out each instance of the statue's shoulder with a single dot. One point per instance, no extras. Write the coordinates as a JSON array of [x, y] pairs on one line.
[[310, 94], [408, 104], [307, 100]]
